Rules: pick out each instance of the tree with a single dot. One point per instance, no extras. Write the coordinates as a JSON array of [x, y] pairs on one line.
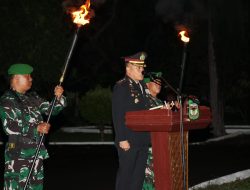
[[216, 100], [95, 107]]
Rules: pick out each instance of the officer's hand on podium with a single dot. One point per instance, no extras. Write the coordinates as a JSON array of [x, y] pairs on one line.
[[124, 145]]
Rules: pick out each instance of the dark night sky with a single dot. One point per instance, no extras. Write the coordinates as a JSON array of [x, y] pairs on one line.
[[40, 33]]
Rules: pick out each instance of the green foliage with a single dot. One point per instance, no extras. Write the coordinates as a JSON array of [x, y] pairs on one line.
[[95, 106]]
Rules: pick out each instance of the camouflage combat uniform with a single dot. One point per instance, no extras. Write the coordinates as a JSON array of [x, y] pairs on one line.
[[20, 115], [149, 180]]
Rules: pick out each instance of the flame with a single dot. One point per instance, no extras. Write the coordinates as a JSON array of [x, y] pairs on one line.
[[79, 15], [184, 38]]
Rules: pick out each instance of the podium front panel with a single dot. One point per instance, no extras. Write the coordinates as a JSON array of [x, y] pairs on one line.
[[167, 160]]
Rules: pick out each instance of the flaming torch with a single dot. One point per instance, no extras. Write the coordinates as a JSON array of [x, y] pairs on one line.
[[185, 40], [80, 17]]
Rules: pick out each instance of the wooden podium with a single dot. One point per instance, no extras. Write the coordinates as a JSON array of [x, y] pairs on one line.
[[164, 126]]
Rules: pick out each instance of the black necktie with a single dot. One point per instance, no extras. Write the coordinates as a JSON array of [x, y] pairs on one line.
[[140, 86]]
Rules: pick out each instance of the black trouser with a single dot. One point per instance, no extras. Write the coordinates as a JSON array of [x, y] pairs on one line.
[[131, 172]]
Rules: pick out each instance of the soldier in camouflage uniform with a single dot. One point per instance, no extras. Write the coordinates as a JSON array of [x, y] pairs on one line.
[[154, 87], [153, 84], [21, 115]]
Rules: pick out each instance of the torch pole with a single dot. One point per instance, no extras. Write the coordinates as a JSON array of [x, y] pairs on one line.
[[69, 55], [52, 106], [183, 66], [183, 157]]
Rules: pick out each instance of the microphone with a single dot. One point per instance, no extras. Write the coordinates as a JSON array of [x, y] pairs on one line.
[[153, 77], [149, 74]]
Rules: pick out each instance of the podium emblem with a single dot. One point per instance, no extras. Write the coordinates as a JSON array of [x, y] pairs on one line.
[[193, 110]]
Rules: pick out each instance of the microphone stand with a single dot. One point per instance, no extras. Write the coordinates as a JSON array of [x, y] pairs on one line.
[[167, 84]]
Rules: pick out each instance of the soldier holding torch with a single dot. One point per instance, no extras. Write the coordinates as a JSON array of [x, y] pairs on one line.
[[21, 114]]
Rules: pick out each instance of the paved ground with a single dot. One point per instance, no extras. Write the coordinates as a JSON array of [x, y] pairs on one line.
[[94, 167]]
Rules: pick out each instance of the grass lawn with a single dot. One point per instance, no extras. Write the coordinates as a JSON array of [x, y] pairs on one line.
[[236, 185]]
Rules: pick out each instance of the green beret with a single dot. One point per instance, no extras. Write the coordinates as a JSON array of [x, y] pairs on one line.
[[155, 75], [20, 69]]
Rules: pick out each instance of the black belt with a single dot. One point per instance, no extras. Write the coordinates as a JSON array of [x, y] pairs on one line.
[[20, 139]]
